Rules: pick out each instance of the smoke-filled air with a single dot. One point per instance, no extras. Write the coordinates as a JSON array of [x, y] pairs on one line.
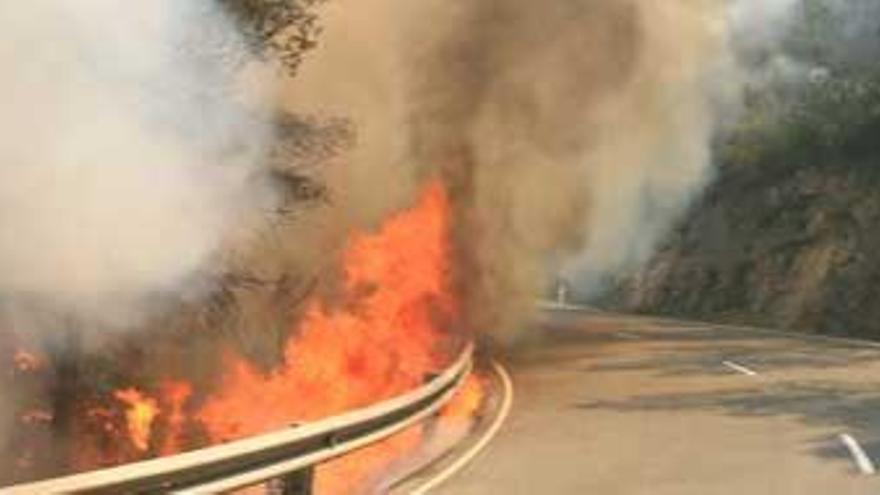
[[218, 218], [126, 160], [570, 134]]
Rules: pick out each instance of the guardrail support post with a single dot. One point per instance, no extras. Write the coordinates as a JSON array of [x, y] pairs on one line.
[[298, 483]]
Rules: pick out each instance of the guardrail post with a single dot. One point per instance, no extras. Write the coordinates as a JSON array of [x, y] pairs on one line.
[[298, 483]]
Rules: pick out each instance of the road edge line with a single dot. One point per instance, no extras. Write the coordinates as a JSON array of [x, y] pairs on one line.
[[476, 449], [864, 463], [740, 368]]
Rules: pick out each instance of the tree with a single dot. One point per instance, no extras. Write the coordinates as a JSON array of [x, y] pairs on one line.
[[285, 29], [280, 29]]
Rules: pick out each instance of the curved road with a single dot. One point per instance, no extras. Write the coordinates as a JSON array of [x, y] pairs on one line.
[[613, 405]]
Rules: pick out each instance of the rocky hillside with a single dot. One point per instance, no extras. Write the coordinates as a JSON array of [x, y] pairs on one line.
[[788, 235], [793, 245]]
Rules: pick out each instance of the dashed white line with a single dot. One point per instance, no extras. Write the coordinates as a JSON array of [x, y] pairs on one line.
[[864, 463], [461, 462], [740, 368]]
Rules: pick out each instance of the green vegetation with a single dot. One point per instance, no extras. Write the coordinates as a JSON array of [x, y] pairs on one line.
[[285, 29], [818, 92], [786, 235]]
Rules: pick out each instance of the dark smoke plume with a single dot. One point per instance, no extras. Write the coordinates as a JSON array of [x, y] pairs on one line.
[[569, 132]]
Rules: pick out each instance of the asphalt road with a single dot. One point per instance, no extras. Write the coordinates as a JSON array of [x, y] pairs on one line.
[[611, 405]]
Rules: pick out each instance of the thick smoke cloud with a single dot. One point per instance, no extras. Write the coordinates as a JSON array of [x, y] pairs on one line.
[[570, 132], [126, 158]]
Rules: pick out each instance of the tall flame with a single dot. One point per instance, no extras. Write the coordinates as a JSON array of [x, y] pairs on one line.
[[380, 341], [385, 333], [384, 338]]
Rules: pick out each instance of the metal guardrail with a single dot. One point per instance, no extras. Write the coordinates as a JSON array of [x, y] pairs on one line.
[[264, 457]]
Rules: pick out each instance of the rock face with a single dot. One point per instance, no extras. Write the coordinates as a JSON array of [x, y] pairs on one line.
[[788, 245], [788, 236]]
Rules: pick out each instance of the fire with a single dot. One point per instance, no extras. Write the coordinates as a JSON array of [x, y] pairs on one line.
[[466, 403], [26, 361], [176, 395], [384, 338], [365, 466], [141, 412], [385, 333]]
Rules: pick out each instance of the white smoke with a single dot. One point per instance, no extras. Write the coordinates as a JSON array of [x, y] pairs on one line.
[[757, 32], [125, 158], [759, 23], [640, 193], [655, 154]]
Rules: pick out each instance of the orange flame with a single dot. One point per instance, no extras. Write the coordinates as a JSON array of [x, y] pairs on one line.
[[466, 403], [386, 333], [382, 342], [385, 338], [175, 394], [141, 412]]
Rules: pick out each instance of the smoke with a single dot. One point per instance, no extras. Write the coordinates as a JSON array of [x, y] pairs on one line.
[[654, 154], [759, 30], [127, 157], [795, 42], [7, 420], [757, 24], [570, 133]]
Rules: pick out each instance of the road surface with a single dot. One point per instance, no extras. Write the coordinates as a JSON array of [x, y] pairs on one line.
[[612, 405]]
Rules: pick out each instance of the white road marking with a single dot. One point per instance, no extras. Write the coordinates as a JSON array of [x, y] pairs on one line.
[[554, 305], [866, 466], [740, 368], [461, 462]]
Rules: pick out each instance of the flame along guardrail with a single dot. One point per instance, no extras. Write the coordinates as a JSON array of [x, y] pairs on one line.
[[264, 457]]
